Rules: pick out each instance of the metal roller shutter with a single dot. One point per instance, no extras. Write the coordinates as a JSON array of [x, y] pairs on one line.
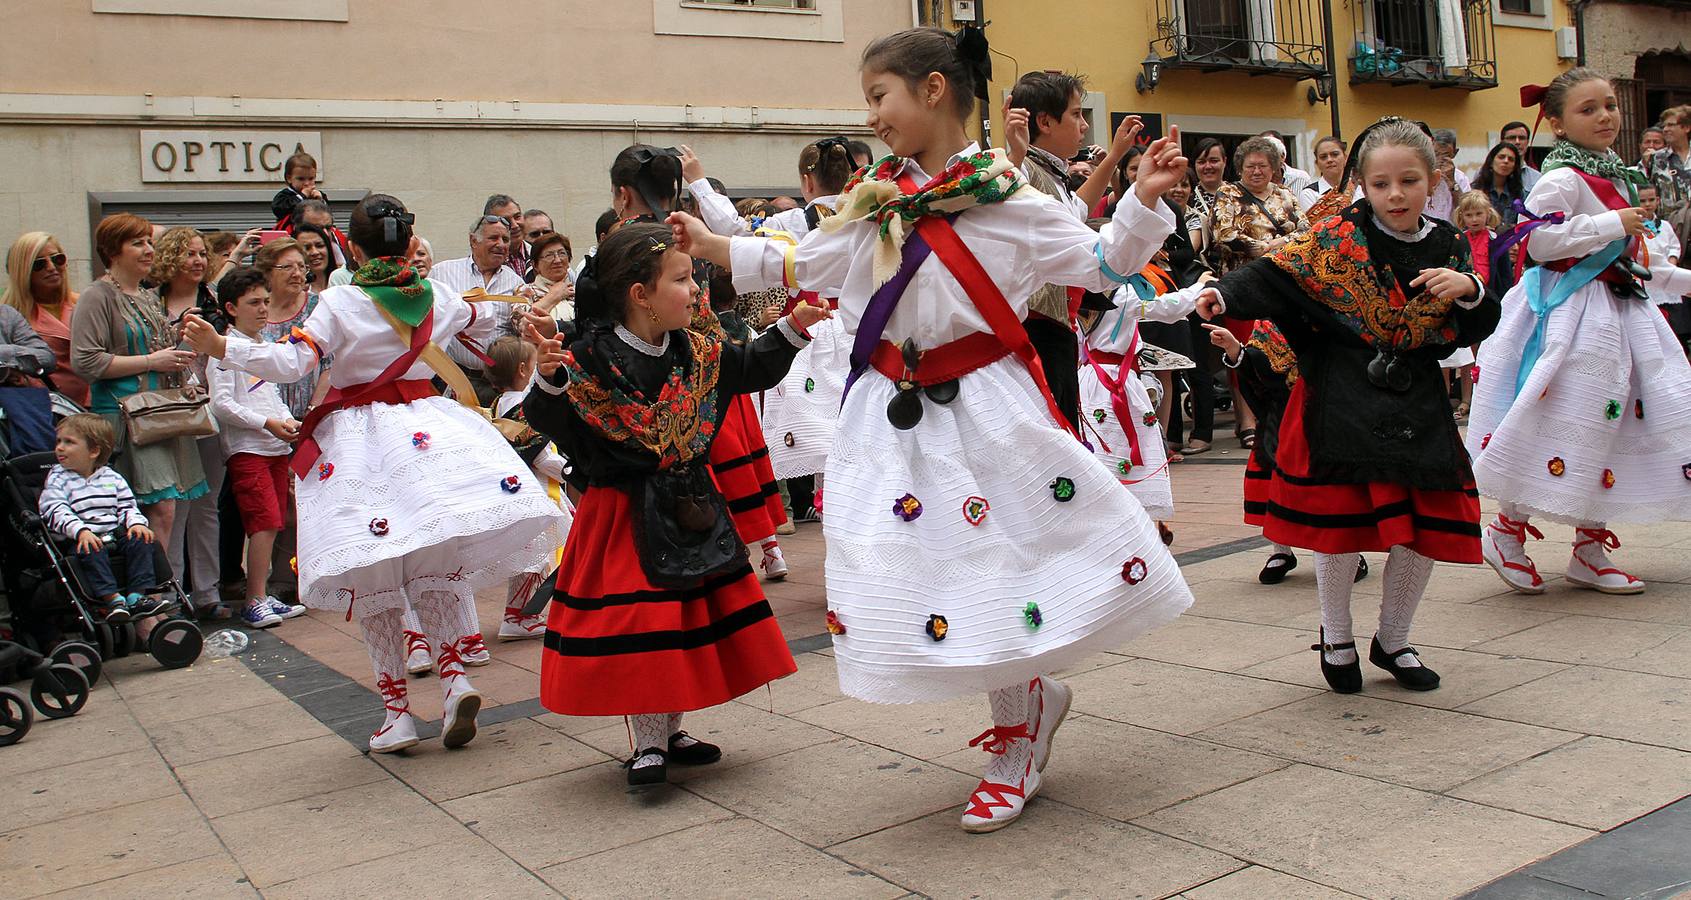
[[232, 210]]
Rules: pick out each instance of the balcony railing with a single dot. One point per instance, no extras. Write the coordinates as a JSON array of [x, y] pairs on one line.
[[1443, 43], [1259, 37]]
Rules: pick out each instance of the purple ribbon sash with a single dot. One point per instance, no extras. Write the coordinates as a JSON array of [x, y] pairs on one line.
[[880, 309]]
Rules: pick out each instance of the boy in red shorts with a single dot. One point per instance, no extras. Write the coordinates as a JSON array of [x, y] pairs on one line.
[[258, 434]]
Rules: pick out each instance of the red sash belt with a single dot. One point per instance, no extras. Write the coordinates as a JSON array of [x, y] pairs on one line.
[[945, 362], [1117, 389], [810, 297], [395, 392]]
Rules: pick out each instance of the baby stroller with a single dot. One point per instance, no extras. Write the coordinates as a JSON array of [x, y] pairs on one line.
[[50, 602], [58, 689]]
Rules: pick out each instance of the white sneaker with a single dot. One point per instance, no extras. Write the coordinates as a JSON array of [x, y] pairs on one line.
[[521, 627], [417, 657], [774, 564], [1590, 566], [1048, 705], [285, 610], [463, 701], [399, 729], [1503, 547], [474, 650]]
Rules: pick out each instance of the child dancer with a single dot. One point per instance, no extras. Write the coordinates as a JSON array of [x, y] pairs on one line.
[[973, 543], [512, 371], [1117, 415], [657, 611], [1584, 398], [1368, 455], [1659, 239], [402, 495]]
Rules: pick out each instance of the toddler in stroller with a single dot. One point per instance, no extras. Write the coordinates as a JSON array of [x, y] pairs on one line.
[[86, 501]]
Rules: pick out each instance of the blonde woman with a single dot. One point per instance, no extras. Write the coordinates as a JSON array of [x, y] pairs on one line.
[[38, 285]]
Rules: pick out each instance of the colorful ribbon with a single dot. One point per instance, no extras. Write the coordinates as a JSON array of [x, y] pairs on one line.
[[1583, 273]]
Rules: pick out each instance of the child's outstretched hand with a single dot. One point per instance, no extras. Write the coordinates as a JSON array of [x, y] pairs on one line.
[[1221, 337], [804, 315], [1126, 134], [202, 337], [695, 239], [1210, 304], [1445, 284], [140, 533], [1162, 167]]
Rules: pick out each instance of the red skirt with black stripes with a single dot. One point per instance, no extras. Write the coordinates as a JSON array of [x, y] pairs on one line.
[[618, 645], [1295, 510], [739, 461]]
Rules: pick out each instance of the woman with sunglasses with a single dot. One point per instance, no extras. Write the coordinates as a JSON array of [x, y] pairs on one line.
[[38, 285]]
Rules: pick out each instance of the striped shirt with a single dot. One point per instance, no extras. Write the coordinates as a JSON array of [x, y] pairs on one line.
[[102, 503]]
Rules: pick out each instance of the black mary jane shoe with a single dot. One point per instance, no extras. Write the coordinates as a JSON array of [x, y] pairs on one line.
[[648, 776], [1274, 571], [1345, 678], [1361, 569], [686, 750], [1415, 678]]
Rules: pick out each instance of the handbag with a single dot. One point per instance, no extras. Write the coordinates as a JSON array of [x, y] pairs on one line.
[[682, 530], [172, 412]]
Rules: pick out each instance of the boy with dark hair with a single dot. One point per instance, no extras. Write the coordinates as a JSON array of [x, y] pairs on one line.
[[300, 173]]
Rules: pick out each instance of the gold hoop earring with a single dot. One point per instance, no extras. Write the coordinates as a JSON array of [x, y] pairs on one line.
[[654, 315]]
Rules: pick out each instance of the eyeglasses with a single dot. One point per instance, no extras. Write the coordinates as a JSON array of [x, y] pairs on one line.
[[57, 259], [290, 267], [555, 256], [496, 220], [537, 234]]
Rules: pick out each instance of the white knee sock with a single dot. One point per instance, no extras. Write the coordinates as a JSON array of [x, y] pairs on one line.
[[1009, 709], [1334, 574], [1282, 548], [384, 641], [651, 731], [1405, 582], [442, 618]]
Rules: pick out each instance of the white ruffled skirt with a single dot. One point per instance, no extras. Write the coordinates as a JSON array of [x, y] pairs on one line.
[[993, 536], [1598, 432], [800, 414], [1148, 481], [410, 497]]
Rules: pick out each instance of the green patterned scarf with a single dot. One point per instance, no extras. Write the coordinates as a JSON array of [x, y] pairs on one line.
[[1603, 165], [392, 283], [976, 180]]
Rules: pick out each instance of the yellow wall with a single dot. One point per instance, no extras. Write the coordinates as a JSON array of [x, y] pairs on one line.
[[1111, 55]]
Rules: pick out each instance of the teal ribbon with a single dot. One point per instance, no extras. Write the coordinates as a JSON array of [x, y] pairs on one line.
[[1110, 273], [1583, 273]]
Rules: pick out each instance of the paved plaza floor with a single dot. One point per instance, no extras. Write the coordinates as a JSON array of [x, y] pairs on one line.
[[1206, 760]]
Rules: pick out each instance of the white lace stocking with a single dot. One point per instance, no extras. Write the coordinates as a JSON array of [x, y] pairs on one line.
[[442, 617], [651, 731], [518, 590], [1404, 583], [1010, 709], [385, 643], [1334, 575]]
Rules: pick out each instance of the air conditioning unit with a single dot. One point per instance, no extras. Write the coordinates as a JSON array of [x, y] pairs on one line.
[[1567, 43]]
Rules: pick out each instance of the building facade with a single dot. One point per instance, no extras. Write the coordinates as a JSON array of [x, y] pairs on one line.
[[184, 109], [1232, 68]]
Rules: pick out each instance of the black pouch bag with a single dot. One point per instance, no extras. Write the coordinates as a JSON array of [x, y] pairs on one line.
[[682, 530]]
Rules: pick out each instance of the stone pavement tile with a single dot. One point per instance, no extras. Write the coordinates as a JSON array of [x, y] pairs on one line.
[[1652, 564], [229, 784], [575, 725], [248, 728], [1363, 836], [193, 695], [137, 676], [1609, 643], [1464, 676], [1628, 706], [506, 753], [1240, 601], [923, 730], [331, 830], [98, 846], [1454, 583], [1438, 623], [732, 858], [745, 735], [213, 877], [1122, 772], [1645, 858], [1217, 644], [64, 791], [1593, 783], [1091, 663], [499, 683], [1053, 850], [815, 683], [1415, 746], [103, 728], [1175, 699], [1258, 883], [861, 787], [573, 814], [464, 867], [1669, 604]]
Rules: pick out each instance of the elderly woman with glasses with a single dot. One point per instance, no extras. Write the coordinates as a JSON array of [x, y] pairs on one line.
[[291, 302], [552, 274], [38, 285]]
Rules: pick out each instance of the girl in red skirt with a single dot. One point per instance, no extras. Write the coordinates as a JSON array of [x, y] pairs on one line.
[[656, 610], [1368, 457]]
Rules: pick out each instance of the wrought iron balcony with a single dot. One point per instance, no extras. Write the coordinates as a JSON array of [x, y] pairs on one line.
[[1443, 43], [1258, 37]]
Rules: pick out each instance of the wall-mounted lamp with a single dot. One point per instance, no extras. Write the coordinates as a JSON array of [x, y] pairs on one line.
[[1147, 80]]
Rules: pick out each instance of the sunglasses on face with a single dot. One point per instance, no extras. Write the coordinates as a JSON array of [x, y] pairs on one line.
[[538, 233], [57, 259]]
